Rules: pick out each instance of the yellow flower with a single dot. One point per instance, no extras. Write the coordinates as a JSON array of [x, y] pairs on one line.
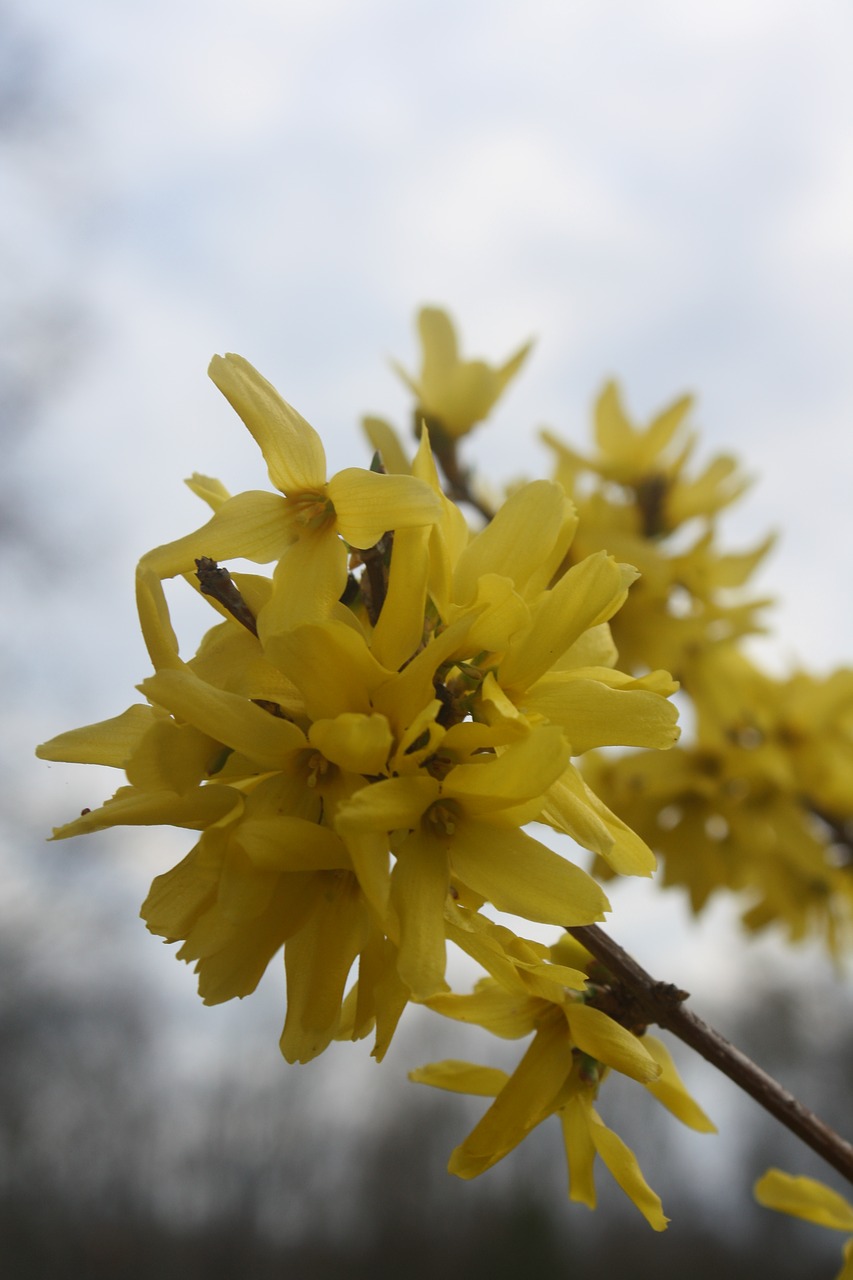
[[305, 526], [453, 394], [809, 1199], [462, 831], [573, 1045]]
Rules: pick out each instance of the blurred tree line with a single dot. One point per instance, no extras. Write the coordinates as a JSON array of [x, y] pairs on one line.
[[115, 1163]]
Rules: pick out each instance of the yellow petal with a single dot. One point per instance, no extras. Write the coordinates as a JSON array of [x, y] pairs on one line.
[[520, 1105], [368, 504], [670, 1091], [109, 742], [524, 771], [236, 966], [399, 630], [286, 843], [588, 594], [172, 757], [160, 639], [519, 875], [419, 885], [505, 1013], [594, 715], [178, 897], [580, 1152], [513, 543], [211, 491], [292, 449], [804, 1198], [356, 742], [318, 960], [132, 808], [605, 1040], [387, 444], [622, 1163], [250, 526], [331, 666], [230, 719], [461, 1077], [307, 585], [573, 808]]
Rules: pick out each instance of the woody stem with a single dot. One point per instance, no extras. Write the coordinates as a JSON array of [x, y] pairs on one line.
[[662, 1003]]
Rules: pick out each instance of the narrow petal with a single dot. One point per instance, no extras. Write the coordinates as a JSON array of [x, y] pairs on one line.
[[318, 960], [178, 897], [520, 1105], [580, 1152], [507, 544], [172, 757], [522, 772], [605, 1040], [504, 1013], [132, 808], [594, 715], [210, 490], [285, 843], [804, 1198], [250, 526], [230, 719], [461, 1077], [354, 741], [670, 1091], [391, 805], [368, 504], [388, 445], [292, 449], [160, 639], [400, 628], [307, 584], [519, 875], [331, 666], [622, 1163], [588, 594], [109, 742], [419, 885]]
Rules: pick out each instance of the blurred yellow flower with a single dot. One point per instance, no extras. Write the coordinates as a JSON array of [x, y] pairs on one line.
[[453, 395], [809, 1199]]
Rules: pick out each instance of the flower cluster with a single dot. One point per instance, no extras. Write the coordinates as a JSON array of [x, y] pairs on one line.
[[638, 497], [760, 803], [369, 727], [364, 734]]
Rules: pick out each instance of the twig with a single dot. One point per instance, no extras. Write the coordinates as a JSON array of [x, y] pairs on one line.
[[662, 1003], [217, 583]]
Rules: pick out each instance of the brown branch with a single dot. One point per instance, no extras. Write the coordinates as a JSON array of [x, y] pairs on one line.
[[662, 1003], [217, 583]]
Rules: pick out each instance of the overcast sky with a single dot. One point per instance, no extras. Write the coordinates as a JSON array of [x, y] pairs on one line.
[[657, 191]]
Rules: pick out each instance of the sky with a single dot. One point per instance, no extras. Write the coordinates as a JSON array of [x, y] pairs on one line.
[[659, 192]]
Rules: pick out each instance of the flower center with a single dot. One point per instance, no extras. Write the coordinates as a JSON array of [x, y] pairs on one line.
[[310, 510], [441, 819]]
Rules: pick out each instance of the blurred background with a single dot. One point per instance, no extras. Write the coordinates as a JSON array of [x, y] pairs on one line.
[[659, 192]]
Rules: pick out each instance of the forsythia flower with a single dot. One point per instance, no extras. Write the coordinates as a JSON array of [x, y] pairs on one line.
[[809, 1199], [453, 395], [574, 1045], [367, 731], [361, 738], [635, 499]]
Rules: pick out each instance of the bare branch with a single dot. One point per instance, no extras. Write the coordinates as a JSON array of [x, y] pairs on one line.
[[662, 1003]]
